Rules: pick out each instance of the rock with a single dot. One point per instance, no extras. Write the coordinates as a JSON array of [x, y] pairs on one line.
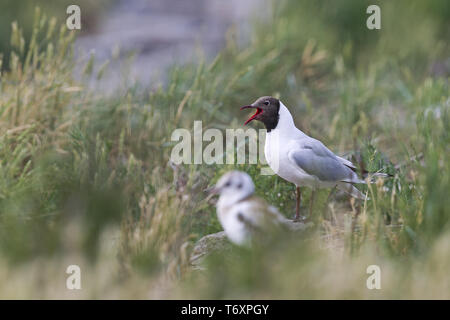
[[162, 33], [218, 242], [210, 243]]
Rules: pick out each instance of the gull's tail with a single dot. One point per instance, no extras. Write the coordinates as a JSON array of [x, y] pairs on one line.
[[351, 190], [346, 185], [363, 171]]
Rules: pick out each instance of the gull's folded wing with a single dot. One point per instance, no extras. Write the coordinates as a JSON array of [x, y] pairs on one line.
[[315, 159]]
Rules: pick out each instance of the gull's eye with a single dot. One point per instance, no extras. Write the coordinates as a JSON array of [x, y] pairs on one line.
[[228, 184], [266, 102], [239, 186]]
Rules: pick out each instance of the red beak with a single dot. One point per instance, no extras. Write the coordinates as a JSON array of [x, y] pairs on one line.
[[258, 111]]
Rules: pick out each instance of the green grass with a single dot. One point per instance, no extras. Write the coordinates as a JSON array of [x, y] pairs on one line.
[[22, 12], [85, 177]]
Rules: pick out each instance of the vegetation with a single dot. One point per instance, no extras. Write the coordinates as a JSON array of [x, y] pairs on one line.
[[86, 178]]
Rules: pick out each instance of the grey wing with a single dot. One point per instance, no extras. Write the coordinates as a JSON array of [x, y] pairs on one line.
[[317, 160], [346, 162]]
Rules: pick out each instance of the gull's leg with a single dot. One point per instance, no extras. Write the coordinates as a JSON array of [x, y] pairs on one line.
[[331, 193], [297, 206], [328, 201]]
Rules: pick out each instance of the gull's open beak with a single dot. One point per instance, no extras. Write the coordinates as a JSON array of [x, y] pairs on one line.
[[258, 111]]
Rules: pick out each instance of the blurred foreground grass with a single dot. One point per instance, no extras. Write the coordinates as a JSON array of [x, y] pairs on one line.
[[85, 177]]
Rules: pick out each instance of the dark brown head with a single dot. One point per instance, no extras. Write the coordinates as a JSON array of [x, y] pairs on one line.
[[267, 109]]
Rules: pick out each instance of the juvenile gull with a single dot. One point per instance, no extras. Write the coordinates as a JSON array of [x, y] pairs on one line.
[[242, 214]]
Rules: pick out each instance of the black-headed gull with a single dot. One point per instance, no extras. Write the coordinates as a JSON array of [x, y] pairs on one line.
[[298, 158], [241, 213]]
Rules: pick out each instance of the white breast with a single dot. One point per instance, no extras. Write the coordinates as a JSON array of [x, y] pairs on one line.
[[279, 142], [235, 230]]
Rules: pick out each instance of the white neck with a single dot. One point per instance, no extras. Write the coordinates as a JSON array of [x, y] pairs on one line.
[[286, 125]]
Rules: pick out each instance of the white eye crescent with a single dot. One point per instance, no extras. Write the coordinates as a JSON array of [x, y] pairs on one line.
[[266, 102]]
